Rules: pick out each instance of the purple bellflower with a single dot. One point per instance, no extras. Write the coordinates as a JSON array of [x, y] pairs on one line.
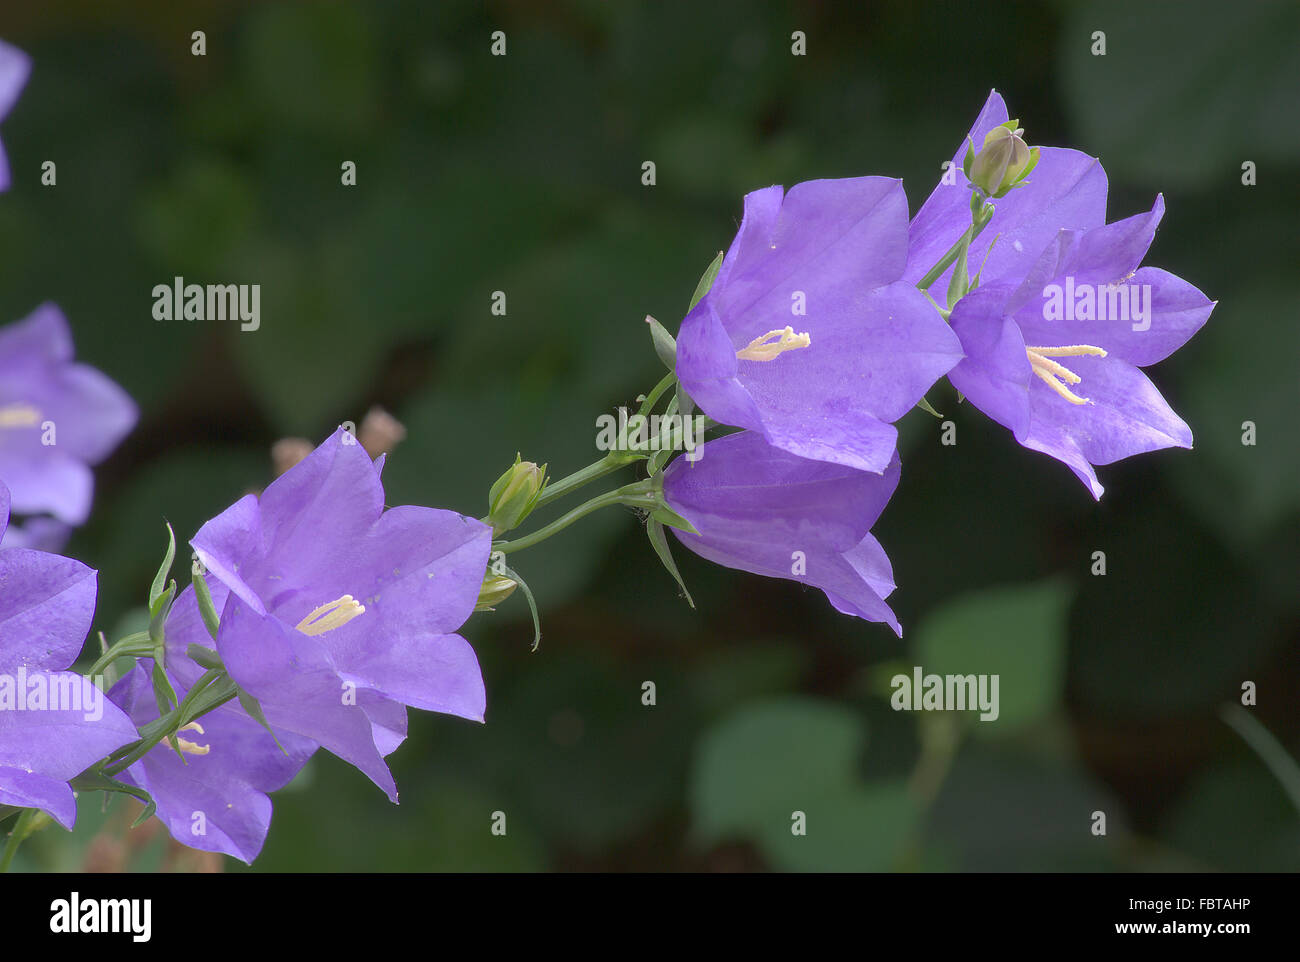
[[760, 509], [1066, 189], [1057, 357], [57, 418], [54, 724], [808, 336], [216, 798], [15, 67], [340, 614]]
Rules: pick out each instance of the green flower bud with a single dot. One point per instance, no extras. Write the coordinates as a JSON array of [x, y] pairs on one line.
[[1003, 162], [514, 495], [496, 589]]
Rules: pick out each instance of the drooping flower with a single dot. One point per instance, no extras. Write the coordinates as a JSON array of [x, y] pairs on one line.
[[57, 417], [1057, 357], [808, 336], [15, 67], [216, 799], [54, 724], [1067, 188], [760, 509], [340, 614]]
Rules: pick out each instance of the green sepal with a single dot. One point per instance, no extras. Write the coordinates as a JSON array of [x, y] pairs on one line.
[[665, 344], [98, 782], [970, 157], [927, 407], [706, 281], [205, 657], [666, 515], [659, 541], [203, 596], [254, 710], [160, 579], [532, 603]]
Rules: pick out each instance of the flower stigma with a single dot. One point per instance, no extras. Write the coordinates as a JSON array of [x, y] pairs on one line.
[[186, 746], [1056, 375], [334, 614], [765, 349]]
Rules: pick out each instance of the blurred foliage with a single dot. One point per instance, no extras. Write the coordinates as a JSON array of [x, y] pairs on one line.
[[522, 174]]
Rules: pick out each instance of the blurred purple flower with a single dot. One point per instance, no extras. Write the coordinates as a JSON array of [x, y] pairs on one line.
[[57, 417], [760, 509], [15, 66], [1056, 357], [216, 799], [808, 336], [340, 613], [1066, 189], [54, 724]]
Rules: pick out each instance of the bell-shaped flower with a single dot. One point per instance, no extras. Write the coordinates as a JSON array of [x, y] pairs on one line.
[[211, 785], [807, 335], [1057, 357], [760, 509], [57, 418], [340, 614], [54, 724]]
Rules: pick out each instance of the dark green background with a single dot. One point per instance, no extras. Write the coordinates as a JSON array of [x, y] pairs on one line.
[[523, 174]]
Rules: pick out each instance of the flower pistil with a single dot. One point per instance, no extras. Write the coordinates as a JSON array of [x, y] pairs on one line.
[[765, 349], [334, 614], [186, 746], [1056, 375]]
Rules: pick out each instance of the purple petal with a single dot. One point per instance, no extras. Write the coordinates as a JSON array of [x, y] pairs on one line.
[[759, 509], [55, 744], [995, 374], [299, 688], [1127, 416], [227, 787], [46, 606], [15, 68]]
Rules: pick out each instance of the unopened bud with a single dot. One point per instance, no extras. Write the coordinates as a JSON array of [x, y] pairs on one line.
[[496, 589], [1003, 162], [514, 495]]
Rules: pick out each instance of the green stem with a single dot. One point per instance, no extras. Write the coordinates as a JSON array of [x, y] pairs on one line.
[[16, 838], [1270, 751], [974, 230], [558, 489], [612, 461], [636, 494], [136, 645]]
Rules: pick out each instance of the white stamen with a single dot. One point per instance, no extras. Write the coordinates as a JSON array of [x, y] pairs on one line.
[[1053, 373], [765, 349], [334, 614]]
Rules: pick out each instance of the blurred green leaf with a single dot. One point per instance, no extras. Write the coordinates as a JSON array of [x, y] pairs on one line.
[[1016, 633]]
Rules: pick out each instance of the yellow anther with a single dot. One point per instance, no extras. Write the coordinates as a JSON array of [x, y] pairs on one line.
[[186, 746], [1053, 374], [20, 415], [333, 615], [765, 349]]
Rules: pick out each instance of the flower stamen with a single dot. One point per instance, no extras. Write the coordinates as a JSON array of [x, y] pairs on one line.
[[20, 415], [188, 747], [1054, 373], [765, 349], [334, 614]]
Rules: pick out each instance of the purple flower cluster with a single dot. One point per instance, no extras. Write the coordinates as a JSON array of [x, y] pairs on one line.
[[814, 339]]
